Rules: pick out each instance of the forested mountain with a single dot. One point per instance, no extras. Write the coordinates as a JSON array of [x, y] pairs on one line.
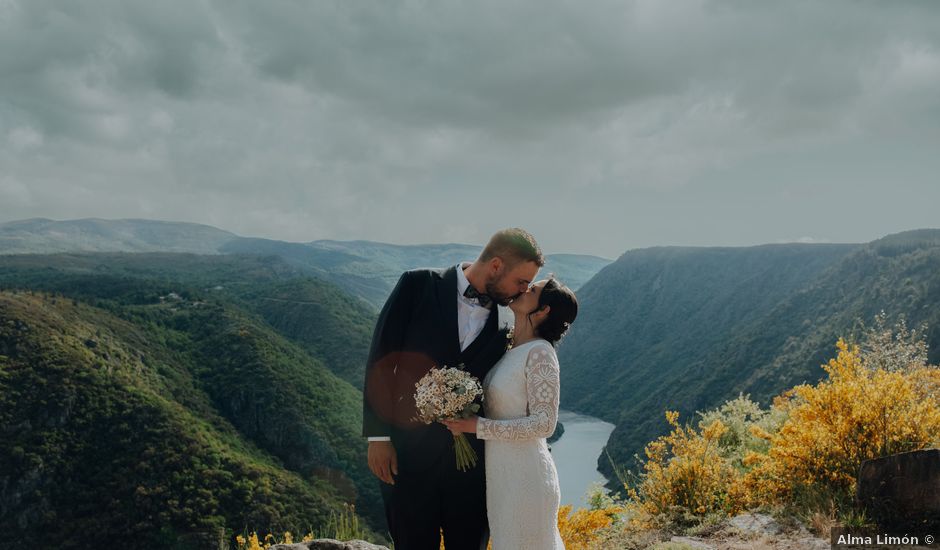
[[146, 395], [174, 392], [186, 390], [364, 269], [688, 328]]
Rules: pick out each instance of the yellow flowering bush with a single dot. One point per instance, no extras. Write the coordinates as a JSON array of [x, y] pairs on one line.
[[805, 450], [684, 473], [579, 528], [744, 421], [857, 413]]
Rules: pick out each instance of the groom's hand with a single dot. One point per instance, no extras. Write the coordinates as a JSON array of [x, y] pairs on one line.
[[383, 460]]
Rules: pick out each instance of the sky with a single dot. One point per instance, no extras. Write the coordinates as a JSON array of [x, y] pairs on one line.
[[598, 126]]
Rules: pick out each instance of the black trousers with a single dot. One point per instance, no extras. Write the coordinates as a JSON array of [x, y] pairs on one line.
[[421, 504]]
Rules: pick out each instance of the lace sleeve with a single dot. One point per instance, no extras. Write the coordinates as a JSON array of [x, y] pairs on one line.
[[542, 392]]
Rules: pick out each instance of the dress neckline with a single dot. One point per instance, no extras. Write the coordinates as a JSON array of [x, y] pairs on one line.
[[529, 342]]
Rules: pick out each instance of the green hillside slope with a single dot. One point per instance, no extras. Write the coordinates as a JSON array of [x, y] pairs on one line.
[[329, 324], [111, 432], [192, 330]]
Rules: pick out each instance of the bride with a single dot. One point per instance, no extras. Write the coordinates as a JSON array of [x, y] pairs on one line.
[[520, 399]]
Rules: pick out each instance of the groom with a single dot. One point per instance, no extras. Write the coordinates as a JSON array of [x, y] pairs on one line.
[[438, 317]]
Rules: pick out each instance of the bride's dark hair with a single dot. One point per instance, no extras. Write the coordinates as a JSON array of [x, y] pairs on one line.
[[563, 309]]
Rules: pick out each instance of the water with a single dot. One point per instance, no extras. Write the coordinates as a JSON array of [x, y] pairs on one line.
[[576, 453]]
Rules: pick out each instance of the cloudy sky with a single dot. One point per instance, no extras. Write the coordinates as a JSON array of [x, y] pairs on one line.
[[599, 126]]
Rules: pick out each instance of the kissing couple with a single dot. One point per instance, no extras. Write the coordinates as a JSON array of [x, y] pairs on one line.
[[449, 317]]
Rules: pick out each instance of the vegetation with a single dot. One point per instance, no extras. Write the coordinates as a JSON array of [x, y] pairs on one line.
[[329, 325], [859, 412], [152, 407], [152, 396], [343, 526], [579, 528], [800, 457], [193, 394], [687, 329]]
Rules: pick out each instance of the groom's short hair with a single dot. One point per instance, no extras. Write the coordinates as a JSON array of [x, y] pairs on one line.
[[514, 245]]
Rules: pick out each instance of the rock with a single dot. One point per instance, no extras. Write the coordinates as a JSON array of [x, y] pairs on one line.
[[902, 491], [811, 543], [755, 524], [692, 542], [805, 539], [329, 544]]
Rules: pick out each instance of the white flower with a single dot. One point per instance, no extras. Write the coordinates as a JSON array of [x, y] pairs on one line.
[[436, 395]]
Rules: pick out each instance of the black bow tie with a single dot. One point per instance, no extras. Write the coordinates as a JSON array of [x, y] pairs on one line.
[[472, 293]]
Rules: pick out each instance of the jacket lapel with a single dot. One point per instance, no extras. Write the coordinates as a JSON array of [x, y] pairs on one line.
[[447, 300]]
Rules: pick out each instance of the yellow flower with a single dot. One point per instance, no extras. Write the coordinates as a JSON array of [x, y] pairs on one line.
[[672, 417]]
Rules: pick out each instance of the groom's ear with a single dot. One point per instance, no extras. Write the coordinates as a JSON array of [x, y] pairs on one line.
[[496, 263]]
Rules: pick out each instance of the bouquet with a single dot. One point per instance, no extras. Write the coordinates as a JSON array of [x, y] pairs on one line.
[[447, 393]]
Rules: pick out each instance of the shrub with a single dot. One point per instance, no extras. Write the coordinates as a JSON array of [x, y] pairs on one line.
[[803, 453], [684, 476], [857, 413]]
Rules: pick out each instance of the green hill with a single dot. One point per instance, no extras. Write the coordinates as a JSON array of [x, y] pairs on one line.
[[149, 393], [688, 328], [329, 324]]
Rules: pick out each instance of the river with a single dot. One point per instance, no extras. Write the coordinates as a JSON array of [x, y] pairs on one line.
[[576, 452]]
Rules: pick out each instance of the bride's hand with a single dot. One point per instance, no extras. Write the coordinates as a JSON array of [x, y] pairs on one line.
[[461, 425]]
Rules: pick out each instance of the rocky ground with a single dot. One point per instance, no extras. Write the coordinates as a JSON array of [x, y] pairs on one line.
[[752, 532], [329, 544], [748, 531]]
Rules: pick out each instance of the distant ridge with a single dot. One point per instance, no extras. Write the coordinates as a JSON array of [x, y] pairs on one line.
[[365, 269], [42, 235]]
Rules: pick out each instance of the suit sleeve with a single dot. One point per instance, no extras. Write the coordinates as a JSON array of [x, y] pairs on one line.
[[387, 340]]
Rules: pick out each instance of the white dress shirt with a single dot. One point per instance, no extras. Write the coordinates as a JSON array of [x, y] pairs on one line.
[[471, 318]]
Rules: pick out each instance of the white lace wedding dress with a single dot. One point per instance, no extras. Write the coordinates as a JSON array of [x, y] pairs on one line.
[[520, 403]]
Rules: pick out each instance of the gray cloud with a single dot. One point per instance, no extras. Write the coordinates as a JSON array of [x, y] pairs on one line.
[[600, 126]]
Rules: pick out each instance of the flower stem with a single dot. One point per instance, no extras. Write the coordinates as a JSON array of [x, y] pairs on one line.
[[466, 456]]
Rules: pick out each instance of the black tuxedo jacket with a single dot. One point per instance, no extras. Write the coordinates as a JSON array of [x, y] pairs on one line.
[[417, 330]]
